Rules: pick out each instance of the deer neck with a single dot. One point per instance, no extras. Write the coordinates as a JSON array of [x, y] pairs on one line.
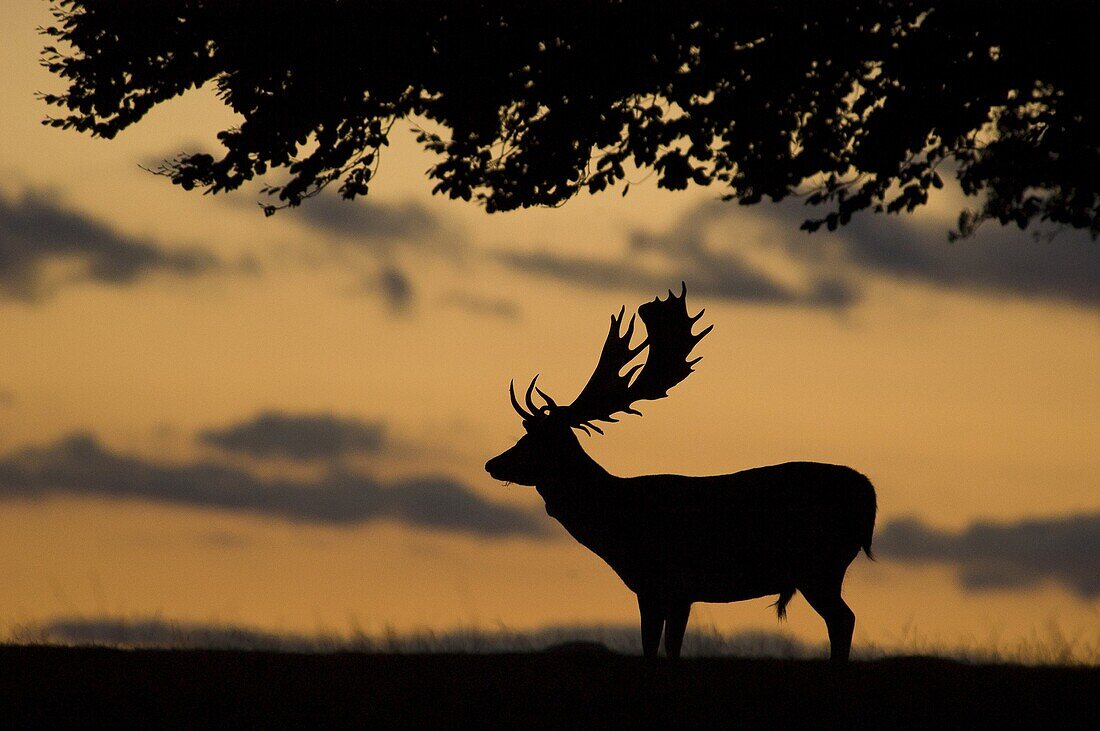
[[583, 499], [578, 475]]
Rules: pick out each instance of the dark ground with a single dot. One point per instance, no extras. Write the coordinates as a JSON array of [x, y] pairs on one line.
[[74, 686]]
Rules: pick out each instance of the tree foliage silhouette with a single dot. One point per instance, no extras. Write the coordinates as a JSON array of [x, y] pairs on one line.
[[857, 105]]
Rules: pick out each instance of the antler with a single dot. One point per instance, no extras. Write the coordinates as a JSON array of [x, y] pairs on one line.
[[535, 412], [670, 342]]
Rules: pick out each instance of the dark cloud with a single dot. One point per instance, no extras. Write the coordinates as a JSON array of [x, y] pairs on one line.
[[1013, 555], [367, 220], [7, 399], [36, 233], [482, 306], [298, 436], [656, 261], [714, 248], [378, 231], [80, 465], [392, 285], [722, 270], [395, 287], [999, 259], [710, 274]]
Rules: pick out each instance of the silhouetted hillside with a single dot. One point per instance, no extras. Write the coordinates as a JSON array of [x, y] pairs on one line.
[[157, 633], [52, 685]]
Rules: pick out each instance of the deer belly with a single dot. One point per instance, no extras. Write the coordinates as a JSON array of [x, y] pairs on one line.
[[716, 581], [728, 584], [705, 572]]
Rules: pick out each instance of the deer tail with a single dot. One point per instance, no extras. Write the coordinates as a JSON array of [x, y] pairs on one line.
[[780, 605], [868, 519]]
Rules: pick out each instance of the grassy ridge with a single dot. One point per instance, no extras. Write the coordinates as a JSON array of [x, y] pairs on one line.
[[188, 687]]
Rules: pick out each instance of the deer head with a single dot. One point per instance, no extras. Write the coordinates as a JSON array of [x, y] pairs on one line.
[[550, 450]]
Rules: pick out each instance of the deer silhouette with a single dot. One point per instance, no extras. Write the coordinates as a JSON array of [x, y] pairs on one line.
[[675, 540]]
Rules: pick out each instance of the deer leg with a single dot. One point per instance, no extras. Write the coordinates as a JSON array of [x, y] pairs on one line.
[[675, 626], [653, 620], [839, 619]]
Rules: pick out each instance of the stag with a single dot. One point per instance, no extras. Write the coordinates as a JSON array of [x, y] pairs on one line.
[[676, 540]]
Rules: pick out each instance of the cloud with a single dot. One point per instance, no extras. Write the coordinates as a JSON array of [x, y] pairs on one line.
[[756, 254], [999, 260], [372, 238], [1002, 556], [482, 306], [392, 285], [80, 465], [686, 252], [367, 219], [7, 398], [719, 275], [44, 246], [298, 436], [395, 287]]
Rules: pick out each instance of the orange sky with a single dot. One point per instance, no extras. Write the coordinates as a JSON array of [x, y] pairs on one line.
[[962, 400]]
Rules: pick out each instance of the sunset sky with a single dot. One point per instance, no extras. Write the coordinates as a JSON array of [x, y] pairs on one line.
[[209, 416]]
